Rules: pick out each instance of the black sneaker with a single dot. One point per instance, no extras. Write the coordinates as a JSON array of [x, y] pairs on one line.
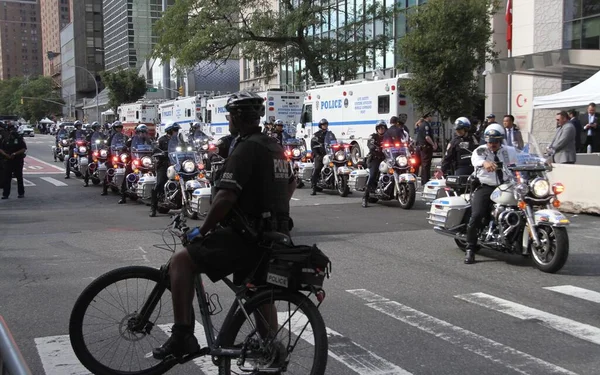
[[21, 196], [178, 345]]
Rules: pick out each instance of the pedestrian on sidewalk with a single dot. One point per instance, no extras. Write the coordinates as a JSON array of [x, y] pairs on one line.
[[12, 150]]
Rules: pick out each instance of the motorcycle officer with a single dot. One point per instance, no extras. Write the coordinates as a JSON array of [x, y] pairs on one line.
[[141, 133], [317, 145], [267, 128], [116, 128], [279, 133], [95, 131], [490, 175], [458, 155], [171, 130], [374, 158], [72, 138]]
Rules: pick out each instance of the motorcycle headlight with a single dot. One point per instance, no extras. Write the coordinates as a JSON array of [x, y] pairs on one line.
[[124, 158], [296, 152], [402, 161], [205, 147], [65, 142], [540, 188], [103, 153], [146, 161], [340, 155], [82, 149], [188, 166]]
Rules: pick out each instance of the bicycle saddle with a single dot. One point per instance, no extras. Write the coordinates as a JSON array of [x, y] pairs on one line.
[[276, 238]]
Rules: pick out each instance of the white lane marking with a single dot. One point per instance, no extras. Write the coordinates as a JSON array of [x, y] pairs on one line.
[[295, 199], [43, 162], [53, 181], [205, 363], [504, 355], [580, 330], [342, 349], [26, 182], [58, 357], [574, 291], [37, 173]]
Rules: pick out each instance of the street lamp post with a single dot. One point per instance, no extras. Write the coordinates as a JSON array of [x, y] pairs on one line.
[[95, 83]]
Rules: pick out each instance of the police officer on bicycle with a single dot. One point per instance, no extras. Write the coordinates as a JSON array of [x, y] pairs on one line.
[[374, 158], [252, 196]]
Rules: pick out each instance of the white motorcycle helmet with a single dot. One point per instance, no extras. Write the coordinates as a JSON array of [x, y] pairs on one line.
[[494, 133]]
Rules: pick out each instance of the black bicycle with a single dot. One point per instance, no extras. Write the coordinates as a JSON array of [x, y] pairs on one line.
[[122, 315]]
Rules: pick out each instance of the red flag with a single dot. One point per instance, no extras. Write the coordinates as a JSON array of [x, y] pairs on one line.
[[509, 20]]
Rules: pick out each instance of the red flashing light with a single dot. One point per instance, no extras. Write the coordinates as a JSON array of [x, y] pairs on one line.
[[402, 102], [200, 166], [344, 93], [335, 147], [271, 108], [309, 97], [136, 162], [413, 161], [212, 147], [288, 152], [115, 158], [393, 87], [96, 153], [386, 145], [397, 144]]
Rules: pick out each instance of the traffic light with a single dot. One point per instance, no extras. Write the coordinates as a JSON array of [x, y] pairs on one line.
[[180, 90]]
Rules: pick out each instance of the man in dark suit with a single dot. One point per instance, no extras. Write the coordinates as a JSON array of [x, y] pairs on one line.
[[578, 128], [513, 136], [591, 128]]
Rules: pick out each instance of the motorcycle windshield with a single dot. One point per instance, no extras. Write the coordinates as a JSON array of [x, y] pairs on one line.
[[97, 141], [62, 134], [178, 157], [200, 135], [397, 151], [292, 142], [141, 144], [531, 156], [80, 135], [118, 142]]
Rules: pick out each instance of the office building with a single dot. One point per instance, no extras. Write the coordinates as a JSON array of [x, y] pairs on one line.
[[128, 31], [20, 41], [54, 15]]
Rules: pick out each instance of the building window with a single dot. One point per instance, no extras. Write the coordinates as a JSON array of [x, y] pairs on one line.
[[383, 104], [581, 29]]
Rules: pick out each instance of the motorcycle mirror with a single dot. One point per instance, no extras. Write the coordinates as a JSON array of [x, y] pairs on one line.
[[352, 136]]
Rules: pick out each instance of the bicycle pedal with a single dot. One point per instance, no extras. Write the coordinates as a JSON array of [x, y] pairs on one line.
[[188, 357]]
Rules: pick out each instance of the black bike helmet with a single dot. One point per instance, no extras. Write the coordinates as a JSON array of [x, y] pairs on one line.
[[117, 124], [78, 123], [381, 124], [247, 103], [95, 125], [323, 122]]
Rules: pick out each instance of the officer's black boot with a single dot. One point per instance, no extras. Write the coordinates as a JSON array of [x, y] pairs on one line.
[[86, 180], [314, 190], [68, 169], [469, 256], [104, 188], [154, 204], [123, 199], [365, 199]]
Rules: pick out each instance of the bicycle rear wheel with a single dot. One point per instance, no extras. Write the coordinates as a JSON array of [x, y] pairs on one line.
[[105, 332], [297, 346]]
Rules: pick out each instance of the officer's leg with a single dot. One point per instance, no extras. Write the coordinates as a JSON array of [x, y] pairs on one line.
[[6, 179], [161, 180], [480, 205], [18, 171], [372, 183], [316, 173], [86, 176], [426, 156], [123, 199], [105, 181], [68, 163]]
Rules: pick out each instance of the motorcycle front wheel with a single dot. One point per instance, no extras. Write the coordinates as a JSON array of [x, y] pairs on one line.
[[553, 254], [342, 186], [406, 196]]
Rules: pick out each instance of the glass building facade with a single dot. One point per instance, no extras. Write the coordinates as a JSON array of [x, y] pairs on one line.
[[581, 29], [128, 31]]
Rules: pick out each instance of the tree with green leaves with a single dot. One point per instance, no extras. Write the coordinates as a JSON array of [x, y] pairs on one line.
[[192, 31], [125, 86], [30, 98], [445, 50]]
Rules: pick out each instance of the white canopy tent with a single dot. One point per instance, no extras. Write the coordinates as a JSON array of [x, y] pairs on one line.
[[108, 112], [577, 96], [46, 121]]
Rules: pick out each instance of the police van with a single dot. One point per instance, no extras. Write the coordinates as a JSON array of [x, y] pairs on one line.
[[354, 108], [279, 104], [184, 111], [134, 114]]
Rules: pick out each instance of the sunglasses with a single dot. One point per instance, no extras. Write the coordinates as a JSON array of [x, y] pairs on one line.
[[228, 117], [493, 141]]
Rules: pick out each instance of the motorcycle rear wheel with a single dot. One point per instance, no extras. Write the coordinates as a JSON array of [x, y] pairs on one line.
[[95, 181], [553, 254]]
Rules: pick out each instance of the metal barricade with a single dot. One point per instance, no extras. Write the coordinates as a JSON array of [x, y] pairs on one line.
[[11, 359]]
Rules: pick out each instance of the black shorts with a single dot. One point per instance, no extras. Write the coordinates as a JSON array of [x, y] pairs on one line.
[[222, 253]]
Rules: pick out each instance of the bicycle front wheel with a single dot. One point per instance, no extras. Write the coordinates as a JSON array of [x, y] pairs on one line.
[[107, 334], [282, 331]]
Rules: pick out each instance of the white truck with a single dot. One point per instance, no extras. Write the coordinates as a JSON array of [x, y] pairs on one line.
[[184, 111], [354, 108], [279, 104], [134, 114]]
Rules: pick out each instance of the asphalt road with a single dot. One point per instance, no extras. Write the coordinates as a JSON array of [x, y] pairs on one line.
[[400, 299]]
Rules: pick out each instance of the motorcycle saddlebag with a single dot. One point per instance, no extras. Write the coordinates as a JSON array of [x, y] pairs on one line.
[[201, 200], [457, 182], [448, 212], [297, 267], [145, 186], [305, 171], [358, 179], [431, 189]]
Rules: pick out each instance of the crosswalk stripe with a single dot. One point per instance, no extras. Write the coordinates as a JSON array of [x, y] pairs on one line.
[[205, 363], [342, 349], [53, 181], [576, 329], [26, 182], [574, 291], [504, 355], [58, 357]]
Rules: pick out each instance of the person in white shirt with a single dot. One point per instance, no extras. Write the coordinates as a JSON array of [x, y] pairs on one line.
[[485, 159]]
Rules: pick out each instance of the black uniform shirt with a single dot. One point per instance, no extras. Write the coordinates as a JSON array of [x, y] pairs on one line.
[[374, 144], [423, 131], [13, 142], [258, 172]]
